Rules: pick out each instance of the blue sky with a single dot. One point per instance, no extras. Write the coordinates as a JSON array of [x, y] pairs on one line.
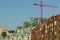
[[14, 12]]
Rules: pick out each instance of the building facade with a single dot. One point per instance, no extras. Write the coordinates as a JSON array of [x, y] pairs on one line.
[[39, 32], [54, 27]]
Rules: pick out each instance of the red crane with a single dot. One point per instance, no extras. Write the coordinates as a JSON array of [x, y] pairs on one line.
[[41, 21], [41, 5]]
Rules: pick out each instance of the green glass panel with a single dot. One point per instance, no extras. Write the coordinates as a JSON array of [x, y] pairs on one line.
[[34, 21]]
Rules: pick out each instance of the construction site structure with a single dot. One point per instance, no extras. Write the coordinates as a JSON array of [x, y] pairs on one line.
[[41, 28], [52, 29]]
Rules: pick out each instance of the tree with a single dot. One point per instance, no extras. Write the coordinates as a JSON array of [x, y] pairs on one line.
[[3, 34]]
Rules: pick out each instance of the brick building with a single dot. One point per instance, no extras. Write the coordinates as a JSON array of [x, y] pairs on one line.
[[50, 32], [39, 32], [54, 27]]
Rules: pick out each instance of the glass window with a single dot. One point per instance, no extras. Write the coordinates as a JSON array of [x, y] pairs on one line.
[[59, 31], [59, 38], [54, 27], [58, 20], [59, 26], [55, 37]]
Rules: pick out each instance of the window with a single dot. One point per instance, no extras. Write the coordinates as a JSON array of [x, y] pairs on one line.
[[59, 31], [59, 38], [59, 26], [54, 27], [55, 37], [58, 20]]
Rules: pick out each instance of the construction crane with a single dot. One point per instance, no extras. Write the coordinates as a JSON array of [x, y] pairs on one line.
[[41, 5], [41, 21]]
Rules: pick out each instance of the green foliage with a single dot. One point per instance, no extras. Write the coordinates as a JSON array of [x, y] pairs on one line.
[[19, 27], [3, 34], [11, 31]]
